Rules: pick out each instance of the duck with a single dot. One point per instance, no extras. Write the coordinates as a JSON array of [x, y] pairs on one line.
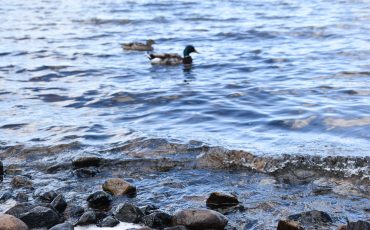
[[173, 59], [139, 46]]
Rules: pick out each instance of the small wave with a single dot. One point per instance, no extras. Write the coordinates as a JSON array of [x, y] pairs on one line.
[[101, 21], [333, 122], [13, 126]]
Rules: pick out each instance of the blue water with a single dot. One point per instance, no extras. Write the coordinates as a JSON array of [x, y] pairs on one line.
[[273, 76]]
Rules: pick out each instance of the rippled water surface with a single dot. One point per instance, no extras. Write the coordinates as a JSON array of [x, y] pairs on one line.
[[272, 77]]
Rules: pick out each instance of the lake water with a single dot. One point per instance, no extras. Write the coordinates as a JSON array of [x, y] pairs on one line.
[[272, 76]]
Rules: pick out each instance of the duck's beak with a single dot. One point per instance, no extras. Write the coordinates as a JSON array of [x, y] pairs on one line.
[[195, 51]]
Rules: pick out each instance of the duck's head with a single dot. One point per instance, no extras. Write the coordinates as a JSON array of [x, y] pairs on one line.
[[150, 42], [189, 49]]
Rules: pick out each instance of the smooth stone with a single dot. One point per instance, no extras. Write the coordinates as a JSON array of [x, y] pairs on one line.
[[64, 226], [288, 225], [310, 218], [179, 227], [219, 199], [40, 217], [19, 209], [200, 219], [118, 187], [158, 220], [21, 181], [127, 212], [99, 200], [86, 161], [358, 225], [9, 222], [91, 217], [48, 196], [108, 221], [59, 203]]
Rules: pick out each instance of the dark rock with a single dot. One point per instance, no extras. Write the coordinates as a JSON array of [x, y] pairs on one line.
[[158, 220], [91, 217], [322, 190], [108, 221], [48, 196], [57, 167], [128, 213], [59, 203], [4, 196], [85, 172], [149, 209], [40, 217], [359, 225], [22, 197], [312, 218], [73, 212], [1, 171], [141, 228], [20, 209], [9, 222], [218, 200], [64, 226], [198, 219], [21, 181], [119, 187], [342, 227], [99, 200], [86, 161], [288, 225], [179, 227]]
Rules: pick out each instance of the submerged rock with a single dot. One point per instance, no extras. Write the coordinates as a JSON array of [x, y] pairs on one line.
[[4, 196], [40, 217], [21, 181], [288, 225], [64, 226], [199, 219], [73, 212], [85, 172], [127, 212], [9, 222], [99, 200], [312, 218], [118, 187], [48, 196], [59, 203], [158, 220], [1, 171], [86, 161], [22, 197], [218, 200], [108, 221], [358, 225]]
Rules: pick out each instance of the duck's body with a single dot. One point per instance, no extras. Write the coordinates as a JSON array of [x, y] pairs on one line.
[[139, 46], [173, 59]]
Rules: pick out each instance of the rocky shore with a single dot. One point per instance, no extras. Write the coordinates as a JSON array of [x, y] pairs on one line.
[[161, 185]]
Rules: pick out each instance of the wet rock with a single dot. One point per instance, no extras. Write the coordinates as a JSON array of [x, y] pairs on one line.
[[4, 196], [322, 190], [48, 196], [57, 167], [149, 209], [359, 225], [127, 212], [20, 209], [73, 212], [86, 161], [179, 227], [21, 181], [1, 171], [158, 220], [118, 187], [142, 228], [295, 176], [342, 227], [59, 203], [91, 217], [99, 200], [85, 172], [108, 221], [200, 219], [218, 200], [64, 226], [9, 222], [40, 217], [312, 218], [22, 197], [288, 225]]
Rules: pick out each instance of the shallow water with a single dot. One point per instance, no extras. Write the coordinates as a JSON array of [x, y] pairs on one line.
[[273, 76]]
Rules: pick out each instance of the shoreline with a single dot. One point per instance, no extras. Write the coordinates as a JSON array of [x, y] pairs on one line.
[[175, 177]]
